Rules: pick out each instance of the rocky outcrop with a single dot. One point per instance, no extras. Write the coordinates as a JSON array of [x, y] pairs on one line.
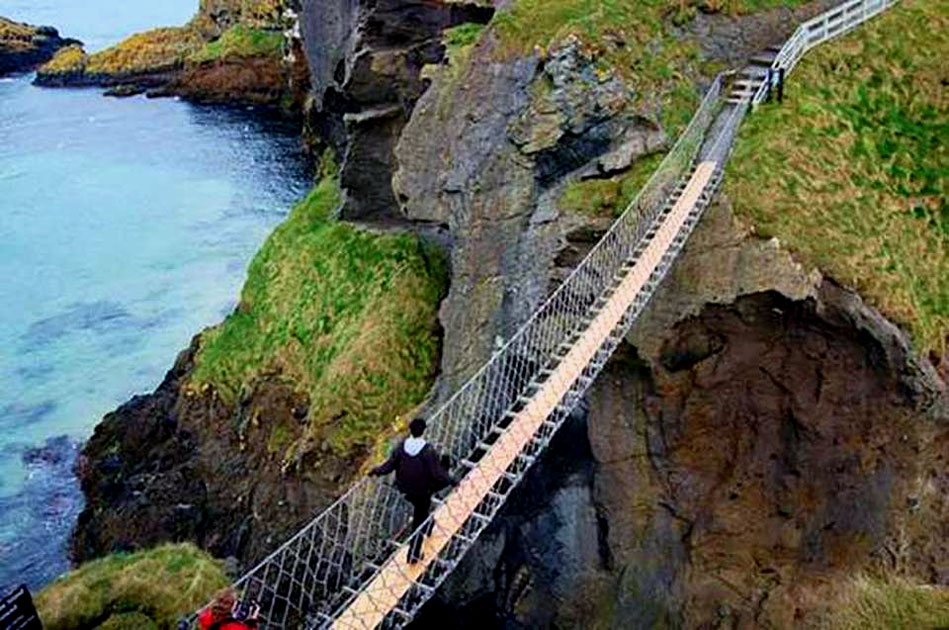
[[366, 60], [496, 174], [230, 53], [178, 465], [23, 46]]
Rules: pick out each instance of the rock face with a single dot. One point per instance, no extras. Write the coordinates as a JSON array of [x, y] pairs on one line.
[[496, 174], [23, 47], [366, 59]]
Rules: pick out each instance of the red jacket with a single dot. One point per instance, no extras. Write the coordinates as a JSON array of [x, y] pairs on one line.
[[206, 621]]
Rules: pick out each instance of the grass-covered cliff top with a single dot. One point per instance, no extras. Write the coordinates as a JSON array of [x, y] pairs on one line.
[[146, 590], [851, 172], [345, 315], [155, 49]]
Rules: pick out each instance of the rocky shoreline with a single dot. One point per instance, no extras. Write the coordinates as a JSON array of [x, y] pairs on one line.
[[23, 47]]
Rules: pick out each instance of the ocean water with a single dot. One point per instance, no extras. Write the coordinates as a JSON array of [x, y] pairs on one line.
[[126, 226]]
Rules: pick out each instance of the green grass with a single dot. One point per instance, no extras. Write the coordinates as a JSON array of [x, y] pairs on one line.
[[462, 36], [240, 41], [151, 589], [608, 197], [851, 172], [347, 316], [876, 604], [67, 60]]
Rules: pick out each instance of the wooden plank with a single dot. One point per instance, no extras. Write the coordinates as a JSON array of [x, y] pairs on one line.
[[396, 577]]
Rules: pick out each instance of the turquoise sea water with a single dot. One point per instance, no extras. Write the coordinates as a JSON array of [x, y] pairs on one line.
[[125, 227]]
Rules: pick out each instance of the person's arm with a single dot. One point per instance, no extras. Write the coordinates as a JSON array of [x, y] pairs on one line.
[[205, 618], [437, 471], [389, 465]]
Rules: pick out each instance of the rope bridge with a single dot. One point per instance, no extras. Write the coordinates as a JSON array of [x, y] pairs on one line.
[[348, 568]]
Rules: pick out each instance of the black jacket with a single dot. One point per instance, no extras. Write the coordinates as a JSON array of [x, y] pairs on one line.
[[416, 475]]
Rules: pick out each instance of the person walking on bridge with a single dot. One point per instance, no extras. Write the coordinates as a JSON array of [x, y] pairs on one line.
[[418, 475]]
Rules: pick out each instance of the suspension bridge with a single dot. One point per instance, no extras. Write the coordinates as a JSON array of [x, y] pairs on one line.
[[348, 569]]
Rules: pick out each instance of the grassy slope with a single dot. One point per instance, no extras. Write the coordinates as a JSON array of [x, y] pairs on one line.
[[875, 604], [240, 41], [347, 316], [148, 589], [154, 49], [851, 172]]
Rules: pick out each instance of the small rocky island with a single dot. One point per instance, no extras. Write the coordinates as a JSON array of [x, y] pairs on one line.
[[24, 46], [228, 53]]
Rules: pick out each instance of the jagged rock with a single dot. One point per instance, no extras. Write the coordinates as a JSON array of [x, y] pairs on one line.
[[368, 57], [509, 135], [179, 464]]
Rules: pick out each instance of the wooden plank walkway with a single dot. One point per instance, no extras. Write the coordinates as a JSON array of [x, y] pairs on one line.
[[397, 576]]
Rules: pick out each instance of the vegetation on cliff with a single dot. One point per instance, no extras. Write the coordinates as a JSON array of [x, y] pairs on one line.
[[66, 61], [157, 49], [240, 41], [150, 589], [221, 30], [609, 197], [851, 170], [165, 49], [346, 315], [11, 31], [889, 604]]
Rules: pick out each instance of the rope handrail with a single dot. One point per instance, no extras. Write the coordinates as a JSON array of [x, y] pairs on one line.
[[334, 561]]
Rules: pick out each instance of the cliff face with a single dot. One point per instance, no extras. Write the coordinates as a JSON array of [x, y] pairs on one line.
[[366, 60], [23, 46], [762, 433], [182, 465]]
